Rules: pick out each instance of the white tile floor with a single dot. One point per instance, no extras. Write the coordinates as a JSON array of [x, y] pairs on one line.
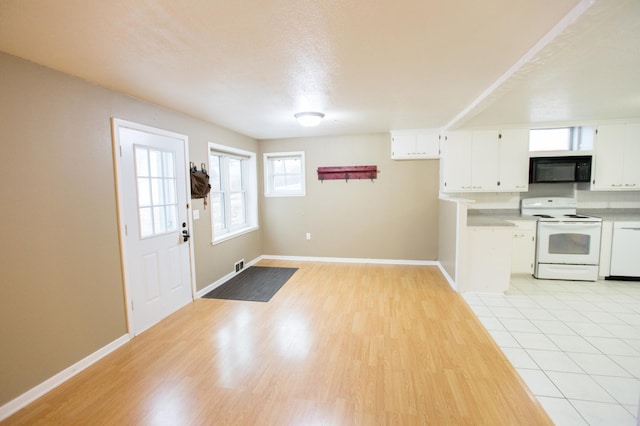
[[575, 344]]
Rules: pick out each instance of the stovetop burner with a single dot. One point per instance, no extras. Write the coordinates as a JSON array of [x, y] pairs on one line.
[[554, 209]]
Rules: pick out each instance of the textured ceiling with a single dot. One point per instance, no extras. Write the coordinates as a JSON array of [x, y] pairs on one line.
[[590, 72], [369, 66]]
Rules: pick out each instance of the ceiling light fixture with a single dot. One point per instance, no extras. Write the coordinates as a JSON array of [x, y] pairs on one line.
[[309, 119]]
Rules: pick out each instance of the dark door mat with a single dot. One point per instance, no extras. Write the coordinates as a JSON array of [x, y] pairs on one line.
[[255, 284]]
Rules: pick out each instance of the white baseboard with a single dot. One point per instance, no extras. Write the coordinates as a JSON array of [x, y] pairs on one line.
[[352, 260], [230, 275], [450, 280], [31, 395], [226, 278]]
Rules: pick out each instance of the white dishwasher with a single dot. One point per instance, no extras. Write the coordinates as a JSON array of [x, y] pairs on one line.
[[625, 250]]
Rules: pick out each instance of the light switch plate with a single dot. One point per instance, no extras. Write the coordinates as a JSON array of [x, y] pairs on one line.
[[196, 214]]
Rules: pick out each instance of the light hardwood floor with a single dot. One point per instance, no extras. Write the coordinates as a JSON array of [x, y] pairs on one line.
[[339, 344]]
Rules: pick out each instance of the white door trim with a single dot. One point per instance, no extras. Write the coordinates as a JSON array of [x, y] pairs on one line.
[[116, 124]]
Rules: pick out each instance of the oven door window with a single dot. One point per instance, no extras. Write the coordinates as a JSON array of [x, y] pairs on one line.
[[569, 244]]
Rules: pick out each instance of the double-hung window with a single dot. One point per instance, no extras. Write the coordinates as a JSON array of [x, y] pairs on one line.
[[232, 175], [284, 174]]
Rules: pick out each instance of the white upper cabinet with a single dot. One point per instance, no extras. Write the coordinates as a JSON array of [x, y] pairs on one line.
[[514, 160], [616, 158], [414, 145], [456, 162], [487, 160], [484, 161]]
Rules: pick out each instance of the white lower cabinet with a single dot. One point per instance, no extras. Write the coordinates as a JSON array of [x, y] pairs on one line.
[[523, 247], [489, 259]]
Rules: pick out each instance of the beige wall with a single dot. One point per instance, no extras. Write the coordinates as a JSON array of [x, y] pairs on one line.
[[396, 217], [61, 287], [449, 237], [61, 277]]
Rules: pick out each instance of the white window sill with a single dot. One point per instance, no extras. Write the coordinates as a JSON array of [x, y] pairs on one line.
[[234, 234], [291, 194]]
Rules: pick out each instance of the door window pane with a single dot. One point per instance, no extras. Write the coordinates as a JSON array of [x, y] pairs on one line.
[[168, 164], [171, 217], [170, 194], [144, 192], [142, 161], [159, 224], [146, 222], [157, 192], [155, 163]]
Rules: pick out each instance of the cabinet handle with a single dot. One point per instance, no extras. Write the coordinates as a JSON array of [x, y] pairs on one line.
[[629, 184]]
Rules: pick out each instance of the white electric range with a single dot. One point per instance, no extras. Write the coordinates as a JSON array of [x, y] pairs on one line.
[[567, 244]]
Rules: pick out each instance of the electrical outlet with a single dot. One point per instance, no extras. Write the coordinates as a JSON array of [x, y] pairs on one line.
[[308, 235], [239, 265]]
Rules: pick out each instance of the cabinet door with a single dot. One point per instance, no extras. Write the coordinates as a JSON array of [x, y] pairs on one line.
[[523, 248], [631, 170], [513, 158], [456, 168], [607, 173], [415, 145], [487, 268], [428, 145], [403, 145], [523, 252], [484, 161]]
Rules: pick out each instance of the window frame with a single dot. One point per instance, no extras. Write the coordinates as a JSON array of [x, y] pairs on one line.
[[577, 139], [249, 189], [269, 190]]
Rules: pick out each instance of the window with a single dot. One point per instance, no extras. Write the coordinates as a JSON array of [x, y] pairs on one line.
[[561, 139], [234, 204], [284, 174]]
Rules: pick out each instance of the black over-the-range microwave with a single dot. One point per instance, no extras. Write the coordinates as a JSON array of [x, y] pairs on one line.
[[560, 169]]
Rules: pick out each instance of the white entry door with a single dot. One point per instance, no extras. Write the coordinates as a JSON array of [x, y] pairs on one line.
[[155, 240]]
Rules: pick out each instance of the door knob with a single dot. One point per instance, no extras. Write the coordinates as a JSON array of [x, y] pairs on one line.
[[185, 235]]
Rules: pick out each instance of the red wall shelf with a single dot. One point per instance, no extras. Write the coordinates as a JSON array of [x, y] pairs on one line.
[[347, 172]]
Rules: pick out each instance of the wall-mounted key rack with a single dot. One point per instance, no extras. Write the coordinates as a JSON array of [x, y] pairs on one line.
[[347, 173]]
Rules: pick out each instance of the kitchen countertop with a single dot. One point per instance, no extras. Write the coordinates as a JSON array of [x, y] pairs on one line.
[[503, 217], [613, 214], [495, 217]]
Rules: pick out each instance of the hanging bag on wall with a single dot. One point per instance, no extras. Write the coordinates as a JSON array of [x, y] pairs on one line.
[[200, 186]]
